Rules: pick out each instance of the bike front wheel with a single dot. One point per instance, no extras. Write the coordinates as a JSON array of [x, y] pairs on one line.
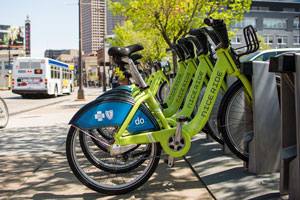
[[104, 181], [235, 119], [163, 91], [3, 114]]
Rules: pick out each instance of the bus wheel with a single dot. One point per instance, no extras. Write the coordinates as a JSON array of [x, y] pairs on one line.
[[25, 96], [55, 92]]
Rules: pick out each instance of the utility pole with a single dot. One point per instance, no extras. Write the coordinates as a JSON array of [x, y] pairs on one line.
[[104, 63], [80, 95]]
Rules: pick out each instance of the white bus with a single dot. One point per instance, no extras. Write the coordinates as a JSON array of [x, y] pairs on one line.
[[41, 76]]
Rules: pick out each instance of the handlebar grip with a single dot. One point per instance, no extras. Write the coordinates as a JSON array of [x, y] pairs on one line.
[[168, 49], [211, 22], [208, 21]]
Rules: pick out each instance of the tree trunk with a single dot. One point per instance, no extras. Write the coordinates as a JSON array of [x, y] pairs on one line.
[[174, 62]]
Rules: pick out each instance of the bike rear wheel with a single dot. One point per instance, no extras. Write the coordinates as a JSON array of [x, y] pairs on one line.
[[91, 145], [3, 114], [101, 180]]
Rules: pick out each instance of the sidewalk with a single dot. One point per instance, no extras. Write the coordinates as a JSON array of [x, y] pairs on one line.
[[48, 176], [54, 180], [213, 175], [225, 176]]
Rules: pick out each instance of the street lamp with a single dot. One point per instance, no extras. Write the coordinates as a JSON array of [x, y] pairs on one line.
[[80, 95]]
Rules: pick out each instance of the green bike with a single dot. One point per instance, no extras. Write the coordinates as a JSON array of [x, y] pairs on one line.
[[141, 134]]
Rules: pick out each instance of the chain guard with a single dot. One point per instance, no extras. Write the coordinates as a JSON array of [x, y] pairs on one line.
[[180, 150]]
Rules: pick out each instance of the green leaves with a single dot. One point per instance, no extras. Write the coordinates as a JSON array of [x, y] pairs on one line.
[[155, 21]]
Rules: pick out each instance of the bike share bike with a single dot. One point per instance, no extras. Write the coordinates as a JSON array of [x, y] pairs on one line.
[[3, 114], [132, 154]]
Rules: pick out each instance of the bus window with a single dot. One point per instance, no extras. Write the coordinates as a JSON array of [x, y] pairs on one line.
[[35, 65]]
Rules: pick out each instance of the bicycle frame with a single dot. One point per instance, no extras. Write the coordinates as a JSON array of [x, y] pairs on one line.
[[176, 83], [224, 64], [181, 90]]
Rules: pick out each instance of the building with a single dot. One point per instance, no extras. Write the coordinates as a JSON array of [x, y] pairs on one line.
[[53, 53], [5, 66], [93, 18], [64, 55], [276, 21], [11, 47], [113, 21]]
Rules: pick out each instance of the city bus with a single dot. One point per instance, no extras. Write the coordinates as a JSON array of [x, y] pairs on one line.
[[41, 76]]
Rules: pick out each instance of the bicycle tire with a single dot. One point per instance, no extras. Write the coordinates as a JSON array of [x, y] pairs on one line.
[[163, 92], [235, 119], [4, 115], [105, 182], [126, 162], [211, 126]]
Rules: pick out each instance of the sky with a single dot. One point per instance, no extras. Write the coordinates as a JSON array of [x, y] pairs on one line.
[[54, 23]]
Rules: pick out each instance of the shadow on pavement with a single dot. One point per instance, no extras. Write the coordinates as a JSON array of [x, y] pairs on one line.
[[54, 180]]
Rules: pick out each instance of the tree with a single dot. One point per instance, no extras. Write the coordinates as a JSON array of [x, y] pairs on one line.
[[262, 44], [154, 44], [174, 18]]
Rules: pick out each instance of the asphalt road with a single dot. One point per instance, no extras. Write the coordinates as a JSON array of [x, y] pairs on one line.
[[16, 104]]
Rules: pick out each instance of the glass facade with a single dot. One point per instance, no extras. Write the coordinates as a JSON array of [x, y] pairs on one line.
[[296, 23], [297, 40], [245, 22], [268, 39], [237, 39], [275, 23], [282, 39]]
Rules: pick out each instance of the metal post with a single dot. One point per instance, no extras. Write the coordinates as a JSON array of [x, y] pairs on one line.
[[80, 95], [9, 56], [104, 74], [104, 63]]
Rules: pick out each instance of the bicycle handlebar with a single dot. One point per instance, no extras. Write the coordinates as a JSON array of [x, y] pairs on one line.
[[187, 46], [220, 29], [179, 51]]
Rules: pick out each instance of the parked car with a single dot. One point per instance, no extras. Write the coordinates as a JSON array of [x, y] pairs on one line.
[[265, 55]]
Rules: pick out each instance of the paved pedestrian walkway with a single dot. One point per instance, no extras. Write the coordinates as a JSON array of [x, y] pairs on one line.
[[54, 180], [205, 173], [225, 176]]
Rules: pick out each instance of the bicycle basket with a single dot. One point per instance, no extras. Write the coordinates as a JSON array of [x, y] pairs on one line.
[[252, 43]]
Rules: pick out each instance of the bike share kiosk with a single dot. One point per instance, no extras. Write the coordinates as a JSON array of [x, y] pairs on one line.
[[288, 66]]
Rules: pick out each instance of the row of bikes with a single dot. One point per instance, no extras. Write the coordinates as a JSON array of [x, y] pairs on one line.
[[115, 142]]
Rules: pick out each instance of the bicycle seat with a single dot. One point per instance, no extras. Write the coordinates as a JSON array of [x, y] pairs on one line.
[[124, 51]]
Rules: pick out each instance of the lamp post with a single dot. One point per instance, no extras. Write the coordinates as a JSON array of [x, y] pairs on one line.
[[102, 57], [104, 64], [80, 95]]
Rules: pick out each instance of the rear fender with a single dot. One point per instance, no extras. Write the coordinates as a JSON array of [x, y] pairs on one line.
[[113, 110]]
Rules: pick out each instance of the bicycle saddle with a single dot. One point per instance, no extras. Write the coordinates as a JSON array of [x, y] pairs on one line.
[[124, 51]]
